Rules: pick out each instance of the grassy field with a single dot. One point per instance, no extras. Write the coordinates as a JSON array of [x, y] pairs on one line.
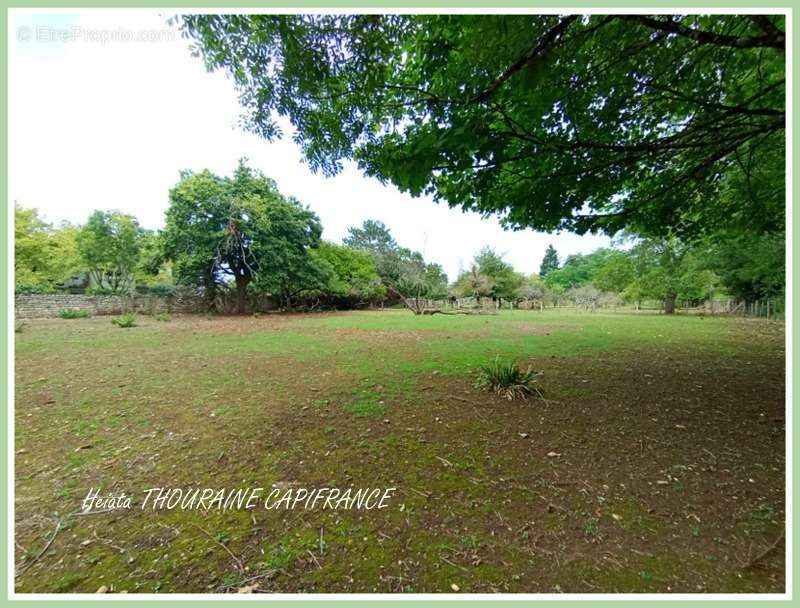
[[656, 464]]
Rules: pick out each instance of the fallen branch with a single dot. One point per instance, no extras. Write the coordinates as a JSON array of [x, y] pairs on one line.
[[42, 552], [229, 552], [764, 553]]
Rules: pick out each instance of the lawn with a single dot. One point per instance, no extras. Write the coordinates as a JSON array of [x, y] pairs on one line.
[[655, 464]]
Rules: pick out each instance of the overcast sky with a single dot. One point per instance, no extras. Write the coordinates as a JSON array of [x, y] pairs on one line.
[[108, 125]]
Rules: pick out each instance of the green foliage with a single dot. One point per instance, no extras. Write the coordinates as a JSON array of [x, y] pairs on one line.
[[74, 313], [126, 320], [504, 281], [352, 272], [594, 122], [163, 290], [473, 283], [44, 256], [578, 269], [163, 317], [549, 261], [110, 244], [99, 291], [27, 289], [507, 380], [241, 229], [19, 326], [372, 236], [403, 272], [615, 273], [751, 266]]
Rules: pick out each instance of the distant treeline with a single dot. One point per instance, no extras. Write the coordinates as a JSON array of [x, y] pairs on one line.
[[240, 234]]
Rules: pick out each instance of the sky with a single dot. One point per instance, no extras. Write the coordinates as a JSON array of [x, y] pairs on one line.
[[106, 107]]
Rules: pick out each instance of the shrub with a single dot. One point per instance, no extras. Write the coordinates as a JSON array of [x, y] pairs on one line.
[[74, 313], [126, 320], [161, 289], [24, 289], [19, 326], [101, 291], [507, 380]]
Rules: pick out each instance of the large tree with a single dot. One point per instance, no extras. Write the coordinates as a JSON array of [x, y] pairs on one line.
[[651, 123], [240, 229]]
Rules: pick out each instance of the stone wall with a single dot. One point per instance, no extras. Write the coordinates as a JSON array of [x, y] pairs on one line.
[[48, 305]]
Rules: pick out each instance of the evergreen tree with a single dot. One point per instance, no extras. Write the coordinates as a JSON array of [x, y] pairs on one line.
[[549, 262]]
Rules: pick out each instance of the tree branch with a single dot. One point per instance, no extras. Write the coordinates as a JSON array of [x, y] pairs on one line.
[[776, 40], [549, 39]]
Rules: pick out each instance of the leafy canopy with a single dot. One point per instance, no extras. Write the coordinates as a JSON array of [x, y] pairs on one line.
[[652, 124], [241, 229]]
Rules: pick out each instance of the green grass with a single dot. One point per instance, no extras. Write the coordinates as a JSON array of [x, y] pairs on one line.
[[387, 399]]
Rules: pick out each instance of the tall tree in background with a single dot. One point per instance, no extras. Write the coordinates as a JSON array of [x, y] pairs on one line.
[[549, 261], [655, 124], [372, 236], [110, 244], [505, 281]]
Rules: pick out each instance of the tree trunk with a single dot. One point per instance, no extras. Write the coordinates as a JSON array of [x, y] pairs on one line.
[[669, 302], [241, 293]]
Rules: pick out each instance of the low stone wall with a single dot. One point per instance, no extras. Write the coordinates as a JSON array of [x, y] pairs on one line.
[[48, 305]]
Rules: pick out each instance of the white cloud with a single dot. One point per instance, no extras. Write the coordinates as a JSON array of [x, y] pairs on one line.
[[109, 125]]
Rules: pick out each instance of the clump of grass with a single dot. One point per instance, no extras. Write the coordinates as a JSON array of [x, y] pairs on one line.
[[163, 317], [19, 326], [126, 320], [507, 380], [74, 313]]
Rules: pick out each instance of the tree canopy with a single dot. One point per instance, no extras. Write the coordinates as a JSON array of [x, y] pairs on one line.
[[241, 228], [649, 123], [44, 255], [110, 244]]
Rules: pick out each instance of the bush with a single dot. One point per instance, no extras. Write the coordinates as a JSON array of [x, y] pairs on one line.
[[32, 289], [19, 326], [100, 291], [74, 313], [164, 290], [507, 380], [126, 320]]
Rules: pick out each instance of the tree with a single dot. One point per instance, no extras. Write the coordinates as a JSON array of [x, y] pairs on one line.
[[578, 269], [352, 273], [372, 236], [44, 256], [750, 266], [533, 289], [473, 283], [403, 272], [375, 238], [615, 273], [109, 245], [241, 230], [504, 281], [420, 281], [549, 261], [651, 123], [658, 267]]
